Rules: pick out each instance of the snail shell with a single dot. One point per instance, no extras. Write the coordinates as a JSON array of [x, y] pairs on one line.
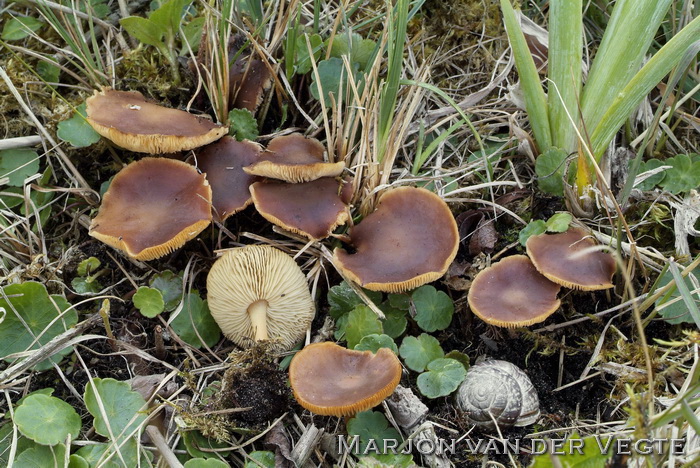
[[498, 390]]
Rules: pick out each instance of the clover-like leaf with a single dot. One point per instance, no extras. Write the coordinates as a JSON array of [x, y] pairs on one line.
[[195, 321], [333, 78], [149, 301], [361, 322], [123, 407], [434, 308], [442, 378], [342, 299], [418, 352], [28, 312], [303, 61], [242, 124], [400, 301], [671, 306], [459, 357], [40, 456], [77, 131], [559, 222], [550, 167], [259, 458], [200, 446], [371, 427], [85, 285], [395, 322], [18, 164], [533, 228], [652, 180], [216, 463], [683, 175], [20, 27], [375, 341], [47, 420], [170, 286]]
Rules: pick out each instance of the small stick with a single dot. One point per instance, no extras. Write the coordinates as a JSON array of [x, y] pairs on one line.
[[162, 446], [19, 142]]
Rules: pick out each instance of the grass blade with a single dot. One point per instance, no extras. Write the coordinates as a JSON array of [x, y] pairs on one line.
[[685, 293]]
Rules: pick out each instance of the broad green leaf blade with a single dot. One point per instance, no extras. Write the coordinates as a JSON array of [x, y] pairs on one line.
[[442, 378], [533, 228], [18, 164], [47, 420], [559, 222], [77, 131], [144, 30], [375, 341], [434, 308], [564, 70], [371, 426], [259, 458], [168, 15], [41, 456], [342, 299], [361, 322], [683, 290], [551, 167], [29, 303], [535, 98], [395, 322], [124, 409], [170, 286], [418, 352], [672, 306], [195, 321], [624, 102], [242, 124], [20, 27], [149, 301], [683, 176], [626, 40]]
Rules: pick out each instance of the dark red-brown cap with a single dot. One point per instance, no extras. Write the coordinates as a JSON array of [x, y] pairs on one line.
[[294, 158], [330, 380], [223, 164], [313, 209], [572, 259], [132, 122], [152, 207], [409, 240], [512, 293], [249, 78]]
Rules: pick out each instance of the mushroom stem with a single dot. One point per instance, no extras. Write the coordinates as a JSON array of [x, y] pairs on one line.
[[257, 312]]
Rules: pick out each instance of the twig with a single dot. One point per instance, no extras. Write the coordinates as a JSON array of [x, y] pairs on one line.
[[162, 445], [19, 142]]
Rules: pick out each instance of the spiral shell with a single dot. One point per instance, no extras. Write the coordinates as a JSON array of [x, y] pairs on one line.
[[498, 390]]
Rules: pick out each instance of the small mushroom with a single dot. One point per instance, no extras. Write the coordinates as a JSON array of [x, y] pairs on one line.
[[512, 293], [409, 240], [571, 259], [294, 158], [249, 78], [258, 293], [313, 209], [223, 164], [152, 207], [330, 380], [132, 122]]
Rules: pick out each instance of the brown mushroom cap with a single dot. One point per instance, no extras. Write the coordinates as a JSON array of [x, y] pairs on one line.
[[249, 78], [409, 240], [570, 259], [127, 119], [331, 380], [257, 293], [223, 163], [152, 207], [512, 293], [313, 209], [294, 158]]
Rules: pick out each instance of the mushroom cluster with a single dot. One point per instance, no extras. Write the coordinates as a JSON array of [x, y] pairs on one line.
[[521, 291]]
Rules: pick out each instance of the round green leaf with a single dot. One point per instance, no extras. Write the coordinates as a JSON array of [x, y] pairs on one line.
[[29, 305], [371, 425], [123, 407], [77, 131], [374, 341], [443, 377], [559, 222], [211, 463], [395, 322], [683, 175], [434, 308], [652, 181], [170, 286], [342, 299], [18, 164], [47, 420], [361, 322], [671, 306], [263, 458], [400, 301], [149, 301], [195, 321], [41, 456], [76, 461], [210, 448], [242, 124], [20, 27], [418, 352], [550, 167], [533, 228]]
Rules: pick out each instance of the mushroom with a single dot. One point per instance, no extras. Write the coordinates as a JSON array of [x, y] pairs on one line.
[[313, 209], [258, 293], [409, 240], [249, 78], [512, 293], [330, 380], [223, 164], [152, 207], [294, 158], [130, 121], [571, 259]]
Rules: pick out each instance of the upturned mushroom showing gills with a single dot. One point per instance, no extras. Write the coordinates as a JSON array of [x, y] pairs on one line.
[[132, 122], [313, 209], [409, 240], [294, 158], [259, 293], [330, 380], [571, 259], [152, 207], [223, 163], [512, 293]]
